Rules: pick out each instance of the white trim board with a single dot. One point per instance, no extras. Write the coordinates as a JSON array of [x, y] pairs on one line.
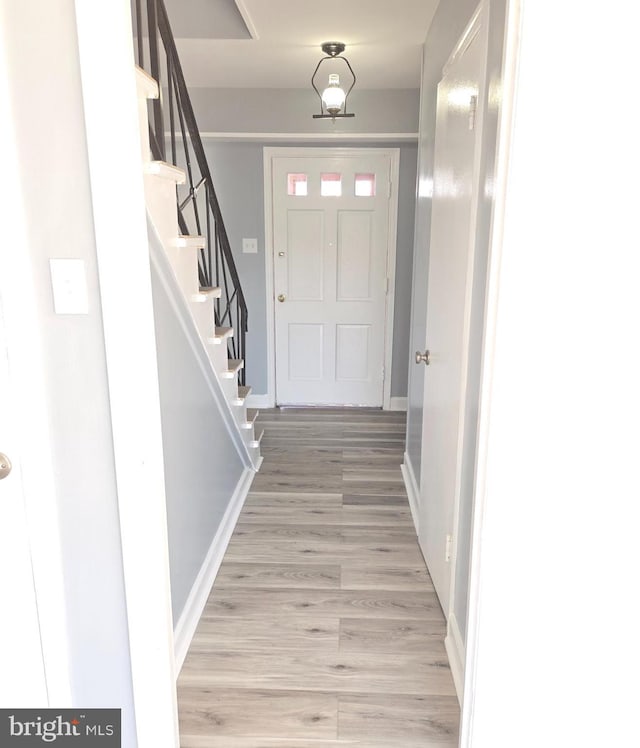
[[397, 403], [104, 32], [311, 137], [246, 17], [455, 651], [504, 142], [190, 616], [260, 401], [269, 153], [413, 491]]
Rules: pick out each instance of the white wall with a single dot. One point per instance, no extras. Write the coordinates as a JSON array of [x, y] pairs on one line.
[[556, 565]]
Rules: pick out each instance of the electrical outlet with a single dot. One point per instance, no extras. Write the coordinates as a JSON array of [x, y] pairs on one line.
[[250, 246]]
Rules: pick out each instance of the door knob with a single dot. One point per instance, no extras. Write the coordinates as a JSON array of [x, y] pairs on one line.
[[423, 358], [280, 254], [5, 466], [281, 297]]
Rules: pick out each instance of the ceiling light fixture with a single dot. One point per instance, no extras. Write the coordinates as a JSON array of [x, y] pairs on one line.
[[333, 100]]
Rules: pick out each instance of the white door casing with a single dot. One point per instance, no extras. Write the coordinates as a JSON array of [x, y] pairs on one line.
[[332, 260], [456, 168]]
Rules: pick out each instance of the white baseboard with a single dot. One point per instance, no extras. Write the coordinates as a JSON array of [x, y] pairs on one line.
[[413, 492], [398, 403], [190, 616], [260, 401], [456, 652]]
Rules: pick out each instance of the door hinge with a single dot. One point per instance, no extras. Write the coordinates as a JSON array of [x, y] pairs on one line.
[[473, 106], [447, 548]]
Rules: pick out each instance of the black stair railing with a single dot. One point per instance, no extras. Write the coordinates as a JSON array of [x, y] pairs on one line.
[[175, 138]]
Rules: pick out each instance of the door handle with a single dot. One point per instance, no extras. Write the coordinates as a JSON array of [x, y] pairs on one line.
[[5, 466], [281, 297], [424, 358]]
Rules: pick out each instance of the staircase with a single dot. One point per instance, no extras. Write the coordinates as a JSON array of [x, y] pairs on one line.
[[183, 208]]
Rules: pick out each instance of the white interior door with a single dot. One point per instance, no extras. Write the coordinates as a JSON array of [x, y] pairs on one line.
[[22, 682], [458, 129], [330, 246]]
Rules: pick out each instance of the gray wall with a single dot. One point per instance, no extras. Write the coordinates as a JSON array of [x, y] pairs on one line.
[[237, 170], [448, 24], [290, 110], [202, 466], [43, 59]]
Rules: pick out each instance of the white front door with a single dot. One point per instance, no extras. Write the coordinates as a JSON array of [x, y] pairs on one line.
[[330, 249], [457, 144], [22, 679]]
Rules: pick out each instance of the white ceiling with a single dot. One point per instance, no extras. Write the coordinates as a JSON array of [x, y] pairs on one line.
[[383, 38]]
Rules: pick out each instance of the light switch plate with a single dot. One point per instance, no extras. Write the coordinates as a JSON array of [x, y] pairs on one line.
[[69, 285], [250, 246]]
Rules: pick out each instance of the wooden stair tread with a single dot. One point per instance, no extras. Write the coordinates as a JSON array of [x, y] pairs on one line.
[[207, 293], [165, 171], [256, 442], [250, 418], [220, 335], [186, 241], [243, 393], [233, 367], [146, 86]]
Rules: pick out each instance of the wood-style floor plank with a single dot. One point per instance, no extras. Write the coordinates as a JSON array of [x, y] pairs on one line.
[[391, 636], [233, 602], [402, 720], [278, 575], [344, 671], [388, 578], [219, 634], [247, 712], [323, 629]]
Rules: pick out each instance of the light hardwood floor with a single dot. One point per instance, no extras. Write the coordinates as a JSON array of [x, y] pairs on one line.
[[323, 628]]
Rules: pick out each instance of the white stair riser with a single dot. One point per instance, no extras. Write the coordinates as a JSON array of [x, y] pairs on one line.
[[240, 412], [202, 312], [230, 386], [184, 261], [218, 355], [143, 116], [160, 195], [249, 436]]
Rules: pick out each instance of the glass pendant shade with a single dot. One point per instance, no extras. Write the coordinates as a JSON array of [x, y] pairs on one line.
[[333, 96]]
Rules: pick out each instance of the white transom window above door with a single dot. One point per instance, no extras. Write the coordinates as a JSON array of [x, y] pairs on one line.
[[332, 237]]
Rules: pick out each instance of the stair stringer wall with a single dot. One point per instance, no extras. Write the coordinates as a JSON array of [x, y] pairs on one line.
[[207, 469]]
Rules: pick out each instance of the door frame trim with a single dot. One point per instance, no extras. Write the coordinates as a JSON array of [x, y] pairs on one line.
[[271, 152], [133, 391]]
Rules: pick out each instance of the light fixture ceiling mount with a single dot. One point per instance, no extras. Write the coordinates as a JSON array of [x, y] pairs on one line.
[[333, 100]]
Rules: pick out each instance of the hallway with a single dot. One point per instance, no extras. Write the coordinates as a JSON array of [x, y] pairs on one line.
[[323, 628]]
